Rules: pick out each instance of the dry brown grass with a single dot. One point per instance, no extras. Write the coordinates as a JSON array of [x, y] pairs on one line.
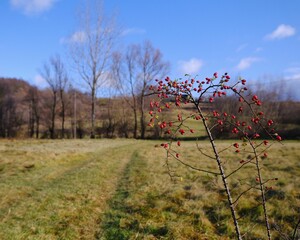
[[120, 189]]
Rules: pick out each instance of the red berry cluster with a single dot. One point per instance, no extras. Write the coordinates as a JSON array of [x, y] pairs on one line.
[[176, 93]]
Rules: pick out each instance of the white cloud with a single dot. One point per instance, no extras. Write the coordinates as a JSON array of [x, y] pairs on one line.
[[259, 49], [294, 74], [39, 81], [241, 47], [130, 31], [32, 6], [294, 77], [191, 66], [282, 31], [76, 37], [246, 63], [293, 70]]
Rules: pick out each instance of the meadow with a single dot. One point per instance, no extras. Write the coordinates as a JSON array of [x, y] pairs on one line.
[[122, 189]]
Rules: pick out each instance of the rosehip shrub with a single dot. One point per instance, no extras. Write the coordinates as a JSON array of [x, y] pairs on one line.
[[244, 121]]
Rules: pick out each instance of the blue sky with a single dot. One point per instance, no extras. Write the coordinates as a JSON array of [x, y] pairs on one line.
[[259, 40]]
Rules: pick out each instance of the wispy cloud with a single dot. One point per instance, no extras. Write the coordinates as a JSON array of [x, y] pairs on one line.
[[241, 47], [39, 81], [293, 70], [130, 31], [30, 7], [258, 49], [282, 31], [293, 73], [191, 66], [76, 37], [295, 77], [247, 63]]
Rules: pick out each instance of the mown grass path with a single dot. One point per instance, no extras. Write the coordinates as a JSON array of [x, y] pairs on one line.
[[58, 189]]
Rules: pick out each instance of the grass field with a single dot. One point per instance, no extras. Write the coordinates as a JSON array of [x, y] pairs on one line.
[[121, 189]]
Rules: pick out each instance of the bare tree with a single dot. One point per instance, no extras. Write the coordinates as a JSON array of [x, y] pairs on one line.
[[134, 72], [32, 98], [62, 79], [124, 69], [55, 74], [91, 49]]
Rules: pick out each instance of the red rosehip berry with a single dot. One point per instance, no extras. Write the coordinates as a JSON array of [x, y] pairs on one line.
[[254, 98], [220, 122], [236, 145], [181, 131], [235, 130], [270, 122], [258, 103], [256, 135], [278, 138], [168, 131]]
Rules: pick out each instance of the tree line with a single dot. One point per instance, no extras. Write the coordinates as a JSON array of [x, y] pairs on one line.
[[62, 111], [29, 112]]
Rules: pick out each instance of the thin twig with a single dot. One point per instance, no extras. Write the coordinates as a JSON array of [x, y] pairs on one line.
[[237, 169], [252, 187], [192, 167], [296, 229], [200, 150]]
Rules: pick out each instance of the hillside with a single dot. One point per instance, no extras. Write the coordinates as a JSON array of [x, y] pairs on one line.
[[26, 111]]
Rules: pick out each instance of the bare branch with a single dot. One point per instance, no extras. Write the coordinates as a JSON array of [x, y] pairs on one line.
[[192, 167]]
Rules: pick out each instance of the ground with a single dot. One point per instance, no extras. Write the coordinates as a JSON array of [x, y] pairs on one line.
[[121, 189]]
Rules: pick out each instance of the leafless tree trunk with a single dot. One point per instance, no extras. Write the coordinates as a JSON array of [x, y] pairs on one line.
[[62, 79], [133, 72], [152, 66], [124, 72], [91, 49], [47, 74], [33, 100], [55, 75]]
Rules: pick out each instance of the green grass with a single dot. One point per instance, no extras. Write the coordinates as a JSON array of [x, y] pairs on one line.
[[121, 189], [57, 189]]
